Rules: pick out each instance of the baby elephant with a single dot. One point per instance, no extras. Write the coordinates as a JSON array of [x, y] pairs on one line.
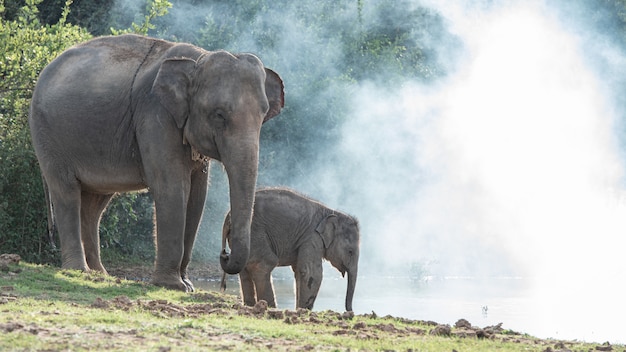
[[290, 229]]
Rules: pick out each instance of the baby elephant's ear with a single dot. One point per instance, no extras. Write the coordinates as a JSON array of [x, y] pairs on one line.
[[326, 229]]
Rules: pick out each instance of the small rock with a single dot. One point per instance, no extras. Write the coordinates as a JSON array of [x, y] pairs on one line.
[[291, 320], [441, 330], [122, 301], [560, 347], [100, 303], [605, 347], [494, 329], [416, 331], [342, 325], [359, 325], [275, 314], [462, 323], [465, 333], [291, 313], [386, 327], [314, 319], [9, 327], [482, 334], [10, 258], [347, 315], [260, 307]]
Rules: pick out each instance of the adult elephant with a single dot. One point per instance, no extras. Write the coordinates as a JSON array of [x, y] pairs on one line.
[[125, 113], [290, 229]]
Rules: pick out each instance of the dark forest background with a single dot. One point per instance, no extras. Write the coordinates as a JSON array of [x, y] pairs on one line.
[[321, 48]]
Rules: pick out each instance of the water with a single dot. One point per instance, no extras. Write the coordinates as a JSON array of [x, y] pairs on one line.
[[514, 301]]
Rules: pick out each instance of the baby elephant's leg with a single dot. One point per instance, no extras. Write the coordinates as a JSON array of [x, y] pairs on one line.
[[262, 277], [308, 281]]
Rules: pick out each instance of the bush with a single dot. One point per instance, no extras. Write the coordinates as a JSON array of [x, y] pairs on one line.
[[26, 47]]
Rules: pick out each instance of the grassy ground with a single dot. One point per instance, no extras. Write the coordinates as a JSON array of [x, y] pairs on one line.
[[47, 309]]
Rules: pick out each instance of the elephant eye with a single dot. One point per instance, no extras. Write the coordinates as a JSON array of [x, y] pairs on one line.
[[219, 116]]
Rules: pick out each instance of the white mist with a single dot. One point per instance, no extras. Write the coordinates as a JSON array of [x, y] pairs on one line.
[[509, 167]]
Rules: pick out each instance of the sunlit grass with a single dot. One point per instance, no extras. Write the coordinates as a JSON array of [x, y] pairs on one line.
[[50, 309]]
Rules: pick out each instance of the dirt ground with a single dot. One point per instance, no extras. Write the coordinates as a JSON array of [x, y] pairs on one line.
[[210, 303], [462, 328], [195, 272]]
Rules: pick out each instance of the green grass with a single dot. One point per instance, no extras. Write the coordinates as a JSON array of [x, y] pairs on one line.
[[45, 308]]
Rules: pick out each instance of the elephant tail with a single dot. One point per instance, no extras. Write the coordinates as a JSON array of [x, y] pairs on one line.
[[225, 236], [50, 213]]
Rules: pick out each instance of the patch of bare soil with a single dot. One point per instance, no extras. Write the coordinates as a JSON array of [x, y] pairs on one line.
[[143, 273], [340, 323], [6, 260]]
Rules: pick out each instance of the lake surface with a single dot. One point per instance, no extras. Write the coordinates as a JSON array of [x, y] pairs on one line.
[[596, 315]]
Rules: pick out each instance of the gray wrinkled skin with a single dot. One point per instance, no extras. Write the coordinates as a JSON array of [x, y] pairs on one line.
[[126, 113], [289, 229]]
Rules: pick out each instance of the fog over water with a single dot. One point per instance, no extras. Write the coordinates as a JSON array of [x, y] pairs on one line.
[[511, 166], [501, 184]]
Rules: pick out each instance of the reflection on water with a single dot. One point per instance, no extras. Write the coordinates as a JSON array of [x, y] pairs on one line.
[[513, 301]]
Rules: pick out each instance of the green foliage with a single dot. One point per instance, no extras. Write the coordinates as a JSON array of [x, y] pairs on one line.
[[610, 14], [126, 229], [99, 17], [154, 9], [26, 47]]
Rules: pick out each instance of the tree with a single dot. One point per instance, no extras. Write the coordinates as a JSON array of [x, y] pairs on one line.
[[26, 47]]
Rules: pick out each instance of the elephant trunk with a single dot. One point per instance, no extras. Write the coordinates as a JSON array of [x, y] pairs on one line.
[[242, 175], [352, 274]]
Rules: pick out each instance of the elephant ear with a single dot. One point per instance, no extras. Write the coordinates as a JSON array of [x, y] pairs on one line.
[[275, 91], [172, 84], [326, 229]]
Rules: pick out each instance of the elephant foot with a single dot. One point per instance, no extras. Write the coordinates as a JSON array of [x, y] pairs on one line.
[[75, 265], [171, 286], [98, 268], [188, 283], [172, 283]]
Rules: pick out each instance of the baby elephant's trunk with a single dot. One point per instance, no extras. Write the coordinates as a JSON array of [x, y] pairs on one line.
[[352, 274]]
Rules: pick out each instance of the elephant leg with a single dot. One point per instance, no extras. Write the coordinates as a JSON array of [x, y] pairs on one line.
[[248, 294], [92, 206], [308, 280], [195, 206], [170, 208], [66, 206], [262, 277]]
